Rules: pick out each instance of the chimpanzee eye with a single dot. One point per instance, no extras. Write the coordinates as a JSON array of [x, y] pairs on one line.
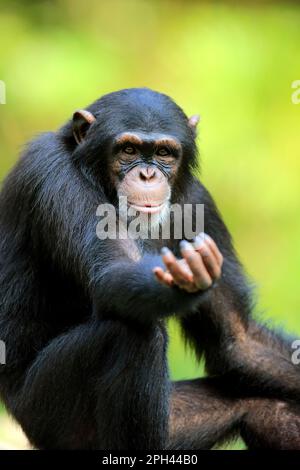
[[163, 151], [130, 150]]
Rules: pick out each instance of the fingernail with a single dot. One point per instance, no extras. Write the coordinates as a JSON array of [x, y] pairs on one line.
[[165, 251], [205, 236], [202, 235], [199, 241], [184, 245]]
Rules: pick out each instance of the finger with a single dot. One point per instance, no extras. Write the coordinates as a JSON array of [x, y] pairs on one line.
[[180, 275], [163, 277], [208, 257], [213, 246], [201, 276], [191, 286]]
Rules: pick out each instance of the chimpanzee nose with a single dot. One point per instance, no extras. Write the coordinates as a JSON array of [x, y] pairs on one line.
[[147, 174]]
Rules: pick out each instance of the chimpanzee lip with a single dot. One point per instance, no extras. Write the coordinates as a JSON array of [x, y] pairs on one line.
[[147, 207]]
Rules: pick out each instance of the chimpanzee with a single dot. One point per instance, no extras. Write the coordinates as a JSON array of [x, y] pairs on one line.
[[83, 318]]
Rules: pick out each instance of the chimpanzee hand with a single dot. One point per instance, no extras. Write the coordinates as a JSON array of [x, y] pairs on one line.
[[200, 267]]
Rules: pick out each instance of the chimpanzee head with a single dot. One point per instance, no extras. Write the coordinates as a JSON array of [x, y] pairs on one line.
[[136, 143]]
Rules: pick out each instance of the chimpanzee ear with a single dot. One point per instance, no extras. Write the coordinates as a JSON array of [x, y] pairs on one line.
[[193, 122], [82, 120]]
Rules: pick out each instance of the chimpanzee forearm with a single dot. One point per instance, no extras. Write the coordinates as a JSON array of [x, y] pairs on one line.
[[129, 289]]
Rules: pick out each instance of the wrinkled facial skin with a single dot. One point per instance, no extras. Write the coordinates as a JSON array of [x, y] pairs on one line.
[[143, 167]]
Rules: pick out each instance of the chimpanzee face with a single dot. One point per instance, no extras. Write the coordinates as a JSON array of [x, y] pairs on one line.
[[142, 168]]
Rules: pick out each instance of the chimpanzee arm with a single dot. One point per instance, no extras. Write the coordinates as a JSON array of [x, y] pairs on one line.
[[129, 289], [223, 331]]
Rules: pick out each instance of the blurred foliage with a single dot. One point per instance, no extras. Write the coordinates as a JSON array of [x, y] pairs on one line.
[[233, 64]]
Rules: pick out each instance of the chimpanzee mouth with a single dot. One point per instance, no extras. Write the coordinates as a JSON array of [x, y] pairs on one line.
[[148, 208]]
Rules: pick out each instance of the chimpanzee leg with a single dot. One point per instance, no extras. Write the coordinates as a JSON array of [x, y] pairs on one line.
[[134, 384], [272, 424], [102, 385], [203, 416]]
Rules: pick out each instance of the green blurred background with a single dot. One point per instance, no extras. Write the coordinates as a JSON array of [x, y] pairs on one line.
[[232, 64]]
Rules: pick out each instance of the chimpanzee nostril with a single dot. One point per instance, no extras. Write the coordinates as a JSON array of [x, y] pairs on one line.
[[147, 174]]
